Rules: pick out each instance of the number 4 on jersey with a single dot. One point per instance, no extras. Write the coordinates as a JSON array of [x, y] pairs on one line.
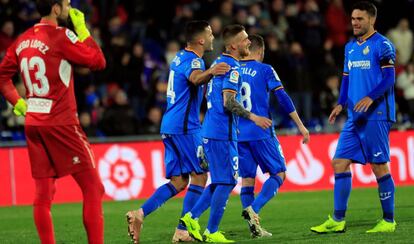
[[170, 87]]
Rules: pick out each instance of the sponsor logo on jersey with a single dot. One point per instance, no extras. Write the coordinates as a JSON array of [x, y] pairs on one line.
[[195, 64], [71, 36], [39, 105], [362, 64], [234, 76]]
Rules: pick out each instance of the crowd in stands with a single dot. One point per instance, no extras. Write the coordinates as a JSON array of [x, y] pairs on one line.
[[304, 42]]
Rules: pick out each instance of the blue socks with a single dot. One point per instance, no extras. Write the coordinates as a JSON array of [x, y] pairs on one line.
[[386, 190], [342, 190], [203, 202], [193, 194], [247, 196], [268, 191], [218, 204], [160, 196]]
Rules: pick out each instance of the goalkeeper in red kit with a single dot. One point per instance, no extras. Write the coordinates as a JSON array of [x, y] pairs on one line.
[[45, 55]]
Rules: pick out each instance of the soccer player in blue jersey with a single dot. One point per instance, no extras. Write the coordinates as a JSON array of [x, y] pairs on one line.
[[220, 136], [181, 128], [368, 91], [259, 147]]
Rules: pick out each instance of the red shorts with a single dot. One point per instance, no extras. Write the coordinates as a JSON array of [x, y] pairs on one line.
[[56, 151]]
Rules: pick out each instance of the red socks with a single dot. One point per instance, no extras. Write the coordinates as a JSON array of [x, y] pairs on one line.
[[45, 190], [92, 190]]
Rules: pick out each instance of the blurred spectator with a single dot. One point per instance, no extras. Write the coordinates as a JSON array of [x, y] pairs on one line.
[[6, 36], [87, 126], [226, 12], [311, 29], [405, 82], [13, 122], [329, 96], [298, 83], [278, 17], [402, 37], [134, 80], [304, 43], [151, 125], [337, 23], [172, 48], [277, 56], [118, 119]]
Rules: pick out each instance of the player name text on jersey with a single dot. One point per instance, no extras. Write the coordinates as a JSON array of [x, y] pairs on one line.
[[32, 43], [248, 71]]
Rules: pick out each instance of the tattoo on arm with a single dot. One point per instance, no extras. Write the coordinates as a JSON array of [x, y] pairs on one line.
[[233, 106]]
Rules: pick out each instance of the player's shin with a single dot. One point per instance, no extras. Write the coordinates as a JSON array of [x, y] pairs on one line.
[[269, 190], [191, 197], [92, 191], [247, 196], [386, 190], [218, 205], [342, 190], [203, 202], [45, 189], [160, 196]]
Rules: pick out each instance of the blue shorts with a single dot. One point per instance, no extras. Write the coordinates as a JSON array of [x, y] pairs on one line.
[[182, 154], [222, 160], [266, 153], [367, 142]]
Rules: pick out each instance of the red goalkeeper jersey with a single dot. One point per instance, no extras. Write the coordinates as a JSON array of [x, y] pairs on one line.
[[44, 55]]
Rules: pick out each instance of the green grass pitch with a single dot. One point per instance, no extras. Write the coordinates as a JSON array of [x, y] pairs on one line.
[[288, 217]]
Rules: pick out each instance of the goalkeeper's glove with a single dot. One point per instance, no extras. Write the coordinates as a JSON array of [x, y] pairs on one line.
[[78, 20], [20, 107]]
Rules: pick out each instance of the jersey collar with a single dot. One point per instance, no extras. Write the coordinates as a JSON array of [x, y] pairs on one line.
[[365, 38], [231, 56], [193, 51], [46, 22], [247, 60]]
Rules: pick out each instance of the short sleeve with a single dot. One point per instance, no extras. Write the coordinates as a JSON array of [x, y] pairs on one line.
[[195, 64], [386, 54], [231, 79], [272, 79]]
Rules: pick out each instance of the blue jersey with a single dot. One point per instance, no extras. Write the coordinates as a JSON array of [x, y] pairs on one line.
[[258, 80], [219, 123], [363, 62], [183, 98]]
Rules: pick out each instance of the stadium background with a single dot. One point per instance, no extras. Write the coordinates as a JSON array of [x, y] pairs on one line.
[[304, 41]]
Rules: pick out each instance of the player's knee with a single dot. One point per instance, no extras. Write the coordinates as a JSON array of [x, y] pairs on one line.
[[282, 175], [341, 165], [45, 191], [180, 183], [380, 170], [248, 182], [199, 179]]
